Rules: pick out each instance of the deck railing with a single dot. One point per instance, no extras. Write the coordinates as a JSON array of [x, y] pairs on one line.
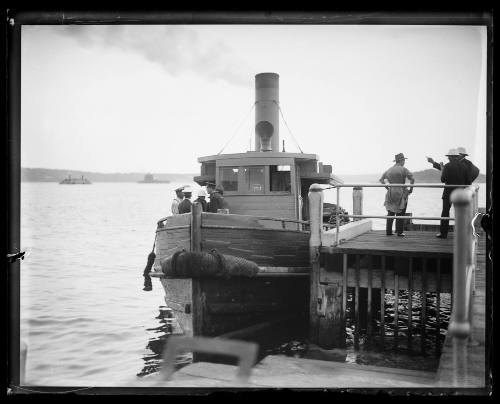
[[358, 201], [465, 202]]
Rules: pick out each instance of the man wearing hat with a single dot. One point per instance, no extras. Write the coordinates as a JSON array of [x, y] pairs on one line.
[[177, 200], [201, 199], [216, 198], [472, 170], [396, 198], [185, 205], [453, 173]]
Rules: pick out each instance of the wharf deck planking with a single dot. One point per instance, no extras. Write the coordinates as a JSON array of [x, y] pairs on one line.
[[415, 243]]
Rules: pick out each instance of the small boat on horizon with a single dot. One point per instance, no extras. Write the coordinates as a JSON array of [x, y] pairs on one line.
[[70, 180], [150, 179]]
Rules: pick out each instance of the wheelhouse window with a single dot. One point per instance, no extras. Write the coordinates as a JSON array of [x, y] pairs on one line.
[[254, 179], [229, 178], [280, 178]]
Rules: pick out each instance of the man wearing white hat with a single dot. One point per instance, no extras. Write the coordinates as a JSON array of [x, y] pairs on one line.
[[175, 203], [471, 168], [453, 173], [185, 205], [201, 199]]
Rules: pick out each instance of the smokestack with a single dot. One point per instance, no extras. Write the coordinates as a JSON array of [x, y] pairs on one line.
[[266, 112]]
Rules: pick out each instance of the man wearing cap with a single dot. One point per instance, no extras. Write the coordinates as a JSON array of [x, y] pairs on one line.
[[201, 199], [177, 200], [472, 170], [396, 198], [453, 173], [216, 198], [185, 205]]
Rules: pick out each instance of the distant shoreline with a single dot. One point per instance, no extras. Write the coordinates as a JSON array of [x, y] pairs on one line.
[[56, 175]]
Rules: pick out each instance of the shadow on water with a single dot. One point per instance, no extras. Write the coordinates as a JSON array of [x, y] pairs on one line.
[[292, 340]]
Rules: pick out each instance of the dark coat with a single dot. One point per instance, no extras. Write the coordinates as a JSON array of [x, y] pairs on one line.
[[472, 170], [185, 206], [454, 173], [216, 202]]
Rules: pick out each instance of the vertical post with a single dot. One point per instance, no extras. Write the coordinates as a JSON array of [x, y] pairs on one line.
[[423, 312], [315, 198], [438, 307], [356, 305], [410, 302], [382, 302], [357, 201], [396, 307], [369, 329], [344, 291], [337, 218], [460, 322], [196, 210]]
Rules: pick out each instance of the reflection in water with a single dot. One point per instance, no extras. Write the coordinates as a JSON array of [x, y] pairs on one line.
[[167, 326], [292, 341]]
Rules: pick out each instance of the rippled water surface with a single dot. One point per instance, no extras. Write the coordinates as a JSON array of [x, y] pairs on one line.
[[84, 315]]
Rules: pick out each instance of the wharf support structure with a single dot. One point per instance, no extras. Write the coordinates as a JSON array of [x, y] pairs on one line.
[[367, 263]]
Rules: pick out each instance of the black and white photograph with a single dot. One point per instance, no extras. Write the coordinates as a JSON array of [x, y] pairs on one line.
[[290, 202]]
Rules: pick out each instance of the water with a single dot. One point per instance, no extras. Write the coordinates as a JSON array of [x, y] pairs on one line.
[[84, 315]]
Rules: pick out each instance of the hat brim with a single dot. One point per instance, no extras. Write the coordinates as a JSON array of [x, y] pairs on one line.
[[402, 158], [451, 155]]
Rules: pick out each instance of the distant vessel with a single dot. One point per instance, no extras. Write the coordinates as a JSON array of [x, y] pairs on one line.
[[149, 179], [70, 180]]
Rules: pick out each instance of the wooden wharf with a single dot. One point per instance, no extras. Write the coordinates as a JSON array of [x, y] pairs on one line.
[[367, 263]]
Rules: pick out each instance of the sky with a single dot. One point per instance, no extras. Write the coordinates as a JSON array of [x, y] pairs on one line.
[[154, 98]]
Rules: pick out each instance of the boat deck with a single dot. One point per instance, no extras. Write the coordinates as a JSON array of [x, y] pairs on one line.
[[415, 243]]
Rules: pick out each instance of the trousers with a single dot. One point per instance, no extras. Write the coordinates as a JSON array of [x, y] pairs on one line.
[[399, 222], [445, 224]]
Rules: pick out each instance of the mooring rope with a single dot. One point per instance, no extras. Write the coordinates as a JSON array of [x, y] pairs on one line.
[[238, 128]]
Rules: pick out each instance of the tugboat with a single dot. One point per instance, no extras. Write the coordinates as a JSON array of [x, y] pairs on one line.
[[266, 194], [70, 180], [150, 179]]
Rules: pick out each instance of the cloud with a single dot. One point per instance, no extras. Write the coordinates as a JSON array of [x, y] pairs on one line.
[[177, 49]]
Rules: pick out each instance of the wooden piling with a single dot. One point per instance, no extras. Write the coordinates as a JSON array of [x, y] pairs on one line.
[[356, 305], [315, 198], [410, 303], [357, 201], [382, 303], [423, 312]]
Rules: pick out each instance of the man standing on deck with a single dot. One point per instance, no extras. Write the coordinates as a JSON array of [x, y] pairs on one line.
[[453, 173], [472, 170], [396, 198], [177, 200], [216, 200], [185, 205]]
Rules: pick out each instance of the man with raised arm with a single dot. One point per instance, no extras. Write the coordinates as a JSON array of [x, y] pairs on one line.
[[396, 198], [453, 173]]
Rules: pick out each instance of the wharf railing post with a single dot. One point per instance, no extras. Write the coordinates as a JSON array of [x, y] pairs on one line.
[[196, 210], [357, 202], [315, 198], [337, 224], [460, 325]]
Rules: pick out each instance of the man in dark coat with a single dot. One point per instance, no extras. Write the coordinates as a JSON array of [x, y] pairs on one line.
[[472, 170], [453, 173], [185, 205], [216, 199]]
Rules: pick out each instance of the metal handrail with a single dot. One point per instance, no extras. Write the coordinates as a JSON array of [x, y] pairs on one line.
[[473, 188]]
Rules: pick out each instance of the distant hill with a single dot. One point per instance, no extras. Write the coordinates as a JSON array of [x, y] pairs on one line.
[[432, 175], [56, 175]]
